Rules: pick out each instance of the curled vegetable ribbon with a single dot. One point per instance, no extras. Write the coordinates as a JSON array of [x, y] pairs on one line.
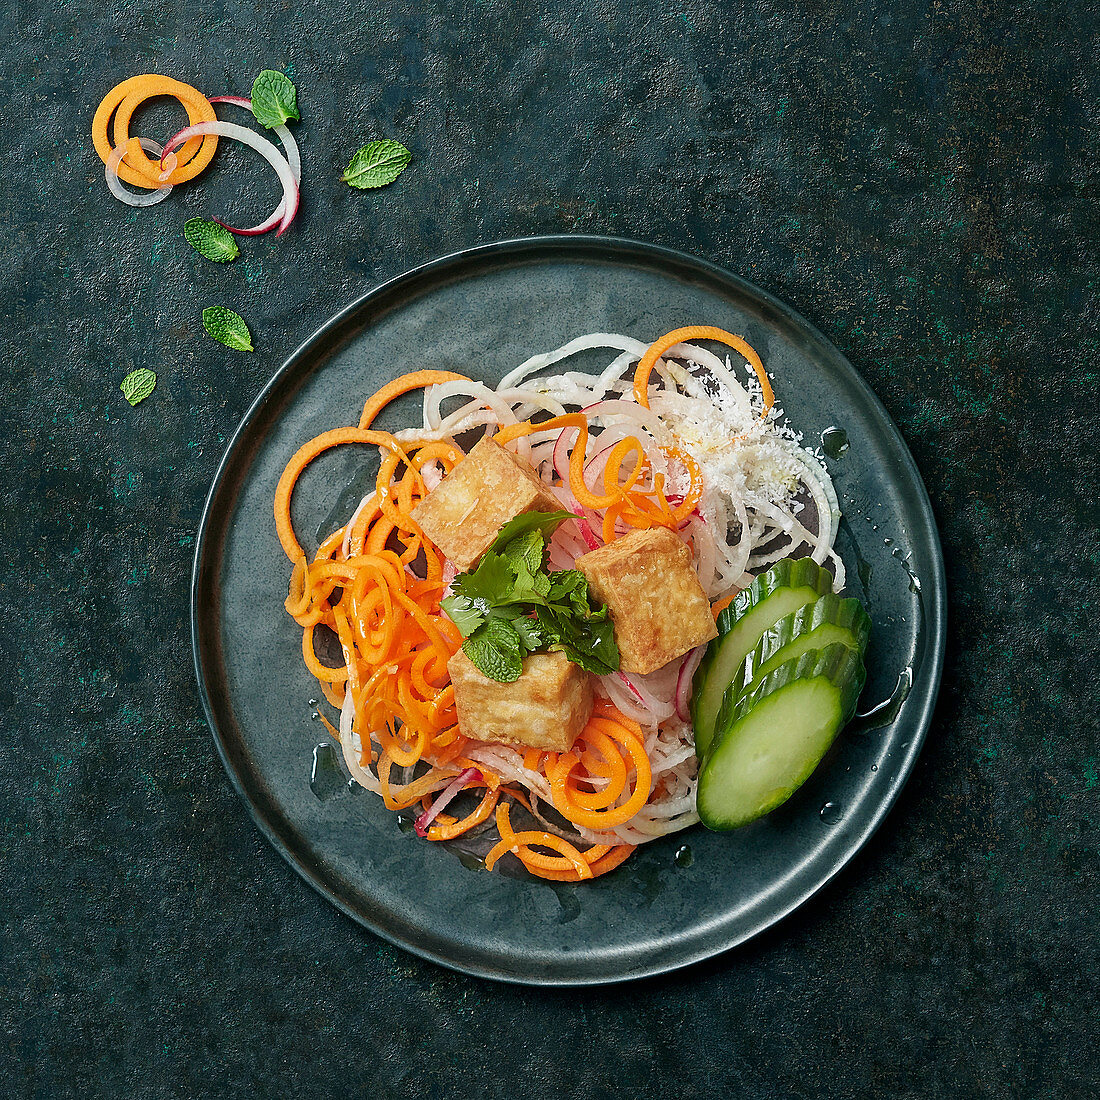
[[699, 332], [136, 168]]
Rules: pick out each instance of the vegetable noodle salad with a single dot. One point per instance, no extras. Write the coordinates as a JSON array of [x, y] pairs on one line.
[[666, 436]]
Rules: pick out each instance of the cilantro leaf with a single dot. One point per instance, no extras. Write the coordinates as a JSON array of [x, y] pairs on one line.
[[211, 240], [377, 164], [137, 385], [530, 632], [465, 613], [227, 328], [274, 99], [495, 648], [545, 522], [492, 577], [529, 588]]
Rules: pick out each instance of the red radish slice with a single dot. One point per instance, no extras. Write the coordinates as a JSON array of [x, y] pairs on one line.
[[445, 796], [561, 455], [633, 689], [265, 148], [684, 680], [590, 539], [293, 157], [131, 198]]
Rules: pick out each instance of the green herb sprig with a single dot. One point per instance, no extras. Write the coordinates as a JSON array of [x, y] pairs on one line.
[[510, 606], [211, 240], [274, 99], [227, 328], [377, 164], [137, 385]]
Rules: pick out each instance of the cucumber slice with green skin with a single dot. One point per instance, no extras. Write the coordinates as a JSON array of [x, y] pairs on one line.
[[813, 626], [785, 587], [777, 735]]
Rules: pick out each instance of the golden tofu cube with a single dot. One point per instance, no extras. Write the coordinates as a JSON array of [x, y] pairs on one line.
[[464, 513], [657, 604], [545, 708]]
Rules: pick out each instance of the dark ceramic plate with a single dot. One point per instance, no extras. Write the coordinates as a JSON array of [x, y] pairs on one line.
[[680, 899]]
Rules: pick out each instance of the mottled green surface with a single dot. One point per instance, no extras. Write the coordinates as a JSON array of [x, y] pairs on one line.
[[917, 179]]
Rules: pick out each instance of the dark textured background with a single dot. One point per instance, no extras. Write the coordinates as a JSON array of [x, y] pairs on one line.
[[919, 179]]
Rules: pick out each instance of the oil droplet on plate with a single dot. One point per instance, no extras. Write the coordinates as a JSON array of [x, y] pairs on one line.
[[683, 857], [326, 780], [834, 441], [830, 813], [884, 713]]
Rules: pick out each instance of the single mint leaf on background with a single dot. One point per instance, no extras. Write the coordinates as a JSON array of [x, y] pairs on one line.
[[530, 521], [227, 328], [496, 650], [211, 240], [377, 164], [137, 385], [274, 99]]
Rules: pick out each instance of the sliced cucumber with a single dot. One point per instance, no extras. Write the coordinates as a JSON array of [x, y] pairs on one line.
[[813, 626], [777, 735], [785, 587]]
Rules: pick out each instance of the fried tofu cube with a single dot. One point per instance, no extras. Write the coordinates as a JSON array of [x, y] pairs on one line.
[[652, 591], [464, 513], [545, 708]]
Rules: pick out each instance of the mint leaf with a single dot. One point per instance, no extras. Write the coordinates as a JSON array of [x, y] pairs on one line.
[[274, 99], [465, 613], [377, 164], [227, 328], [211, 240], [524, 552], [137, 385], [496, 649], [545, 522]]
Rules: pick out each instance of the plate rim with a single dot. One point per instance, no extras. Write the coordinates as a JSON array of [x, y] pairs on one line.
[[610, 248]]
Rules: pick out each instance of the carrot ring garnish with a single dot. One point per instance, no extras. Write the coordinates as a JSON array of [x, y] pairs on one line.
[[698, 332], [136, 168], [300, 460], [415, 380]]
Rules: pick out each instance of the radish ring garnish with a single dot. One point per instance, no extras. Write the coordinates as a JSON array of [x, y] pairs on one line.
[[293, 157], [145, 198], [265, 148]]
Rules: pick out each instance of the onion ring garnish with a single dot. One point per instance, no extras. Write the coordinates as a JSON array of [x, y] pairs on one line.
[[149, 198], [293, 157], [265, 148]]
